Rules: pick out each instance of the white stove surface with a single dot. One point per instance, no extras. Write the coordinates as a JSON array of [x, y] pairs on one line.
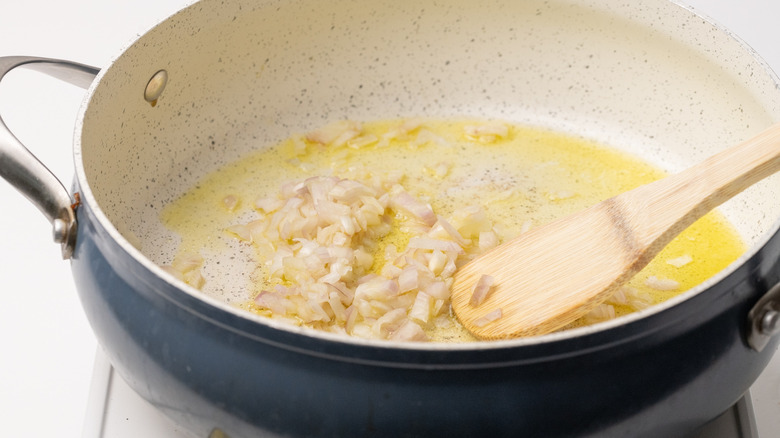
[[50, 378], [115, 411]]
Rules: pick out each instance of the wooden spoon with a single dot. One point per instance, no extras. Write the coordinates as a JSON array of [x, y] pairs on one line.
[[553, 274]]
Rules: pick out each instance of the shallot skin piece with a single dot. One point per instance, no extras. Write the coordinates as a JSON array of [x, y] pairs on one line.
[[323, 230]]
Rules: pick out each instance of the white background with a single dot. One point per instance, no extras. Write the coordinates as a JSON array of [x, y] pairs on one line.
[[46, 346]]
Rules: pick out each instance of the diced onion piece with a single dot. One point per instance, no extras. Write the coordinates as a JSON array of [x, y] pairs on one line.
[[240, 231], [408, 279], [449, 268], [362, 141], [681, 261], [424, 137], [230, 202], [408, 204], [602, 312], [620, 296], [298, 145], [378, 289], [662, 284], [271, 301], [488, 240], [401, 131], [451, 231], [481, 290], [336, 133], [269, 205], [470, 221], [437, 262], [439, 170], [440, 307], [194, 279], [636, 299], [438, 290], [389, 322], [488, 318], [317, 312], [421, 309], [561, 195], [352, 314], [410, 332], [187, 262], [487, 133], [337, 306]]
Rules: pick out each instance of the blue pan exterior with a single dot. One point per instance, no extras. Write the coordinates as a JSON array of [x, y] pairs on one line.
[[664, 375]]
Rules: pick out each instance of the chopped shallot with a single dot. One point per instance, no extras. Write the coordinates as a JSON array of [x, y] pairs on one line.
[[408, 204], [681, 261], [187, 262], [421, 309], [269, 205], [439, 170], [401, 131], [619, 297], [451, 231], [438, 290], [602, 312], [187, 268], [230, 202], [407, 279], [488, 240], [664, 284], [488, 318], [241, 231], [335, 134], [487, 133], [362, 141], [317, 236], [631, 297], [409, 331], [481, 290]]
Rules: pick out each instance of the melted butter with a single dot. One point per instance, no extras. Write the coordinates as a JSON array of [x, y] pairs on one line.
[[528, 178]]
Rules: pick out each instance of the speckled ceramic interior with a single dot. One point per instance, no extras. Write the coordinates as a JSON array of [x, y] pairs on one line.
[[647, 76]]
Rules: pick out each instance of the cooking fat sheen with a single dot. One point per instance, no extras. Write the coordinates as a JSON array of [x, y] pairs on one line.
[[519, 176]]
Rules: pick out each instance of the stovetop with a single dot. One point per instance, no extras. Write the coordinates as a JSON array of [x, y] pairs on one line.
[[115, 411]]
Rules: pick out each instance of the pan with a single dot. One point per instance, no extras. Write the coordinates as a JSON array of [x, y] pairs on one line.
[[651, 77]]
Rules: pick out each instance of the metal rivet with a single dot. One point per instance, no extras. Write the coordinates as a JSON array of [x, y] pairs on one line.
[[60, 230], [770, 323], [155, 87]]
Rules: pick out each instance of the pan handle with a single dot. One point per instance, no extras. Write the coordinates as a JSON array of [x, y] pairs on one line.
[[22, 169], [764, 319]]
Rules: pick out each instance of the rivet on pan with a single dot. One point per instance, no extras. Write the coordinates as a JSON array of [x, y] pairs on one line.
[[60, 230], [155, 87], [770, 323]]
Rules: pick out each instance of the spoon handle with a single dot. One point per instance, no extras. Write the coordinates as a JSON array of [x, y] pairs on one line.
[[661, 210]]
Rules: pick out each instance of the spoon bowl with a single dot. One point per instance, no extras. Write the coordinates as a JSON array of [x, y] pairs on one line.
[[554, 274]]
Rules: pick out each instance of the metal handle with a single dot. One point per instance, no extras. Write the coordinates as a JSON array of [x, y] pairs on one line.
[[22, 169], [764, 319]]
